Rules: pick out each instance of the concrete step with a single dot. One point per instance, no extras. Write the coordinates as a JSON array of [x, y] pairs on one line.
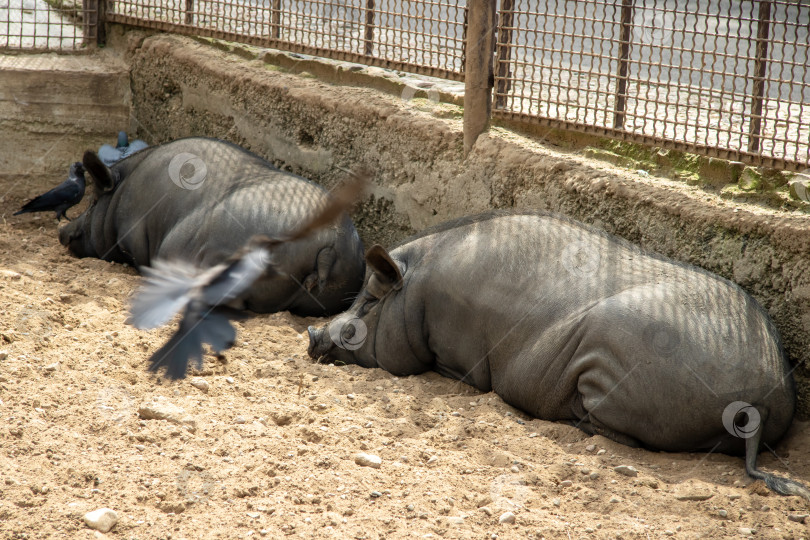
[[53, 107]]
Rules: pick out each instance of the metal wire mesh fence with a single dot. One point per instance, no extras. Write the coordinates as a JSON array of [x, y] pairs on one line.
[[425, 36], [721, 77], [47, 24], [727, 78]]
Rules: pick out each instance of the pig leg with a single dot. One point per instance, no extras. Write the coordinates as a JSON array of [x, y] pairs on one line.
[[592, 428]]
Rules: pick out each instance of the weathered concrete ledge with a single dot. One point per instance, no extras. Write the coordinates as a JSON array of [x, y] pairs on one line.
[[181, 88], [52, 107]]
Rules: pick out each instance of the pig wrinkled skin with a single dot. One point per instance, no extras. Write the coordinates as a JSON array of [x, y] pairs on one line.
[[571, 324], [199, 200]]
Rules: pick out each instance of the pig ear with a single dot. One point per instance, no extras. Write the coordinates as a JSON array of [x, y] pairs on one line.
[[384, 267], [101, 174]]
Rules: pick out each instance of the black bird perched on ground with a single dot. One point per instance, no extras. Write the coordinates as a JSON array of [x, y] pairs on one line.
[[204, 295], [123, 148], [67, 194]]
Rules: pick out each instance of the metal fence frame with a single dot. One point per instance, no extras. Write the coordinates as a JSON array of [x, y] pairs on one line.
[[275, 41], [486, 54], [92, 33], [751, 154]]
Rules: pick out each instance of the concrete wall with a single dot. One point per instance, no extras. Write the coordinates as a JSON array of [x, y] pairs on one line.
[[53, 107], [181, 87]]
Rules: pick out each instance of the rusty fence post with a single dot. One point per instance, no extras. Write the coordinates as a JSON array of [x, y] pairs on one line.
[[506, 20], [760, 71], [89, 13], [464, 39], [479, 47], [626, 30], [275, 20], [101, 22], [368, 38], [189, 12]]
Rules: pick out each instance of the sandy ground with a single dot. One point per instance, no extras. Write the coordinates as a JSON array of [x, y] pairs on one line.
[[268, 449]]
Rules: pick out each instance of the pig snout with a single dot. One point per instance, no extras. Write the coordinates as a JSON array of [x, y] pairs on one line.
[[319, 342], [71, 236], [64, 236]]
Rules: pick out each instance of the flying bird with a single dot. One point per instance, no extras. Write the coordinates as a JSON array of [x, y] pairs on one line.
[[123, 148], [67, 194], [203, 295]]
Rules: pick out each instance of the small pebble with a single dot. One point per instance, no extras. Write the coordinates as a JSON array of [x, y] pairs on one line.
[[566, 483], [722, 513], [507, 518], [600, 452], [375, 494], [199, 383], [747, 531], [594, 475], [514, 469], [694, 495], [798, 518], [162, 409], [229, 380], [590, 448], [487, 510], [102, 519], [556, 502], [368, 460], [626, 470], [433, 460], [615, 499], [456, 520], [240, 420], [350, 396], [588, 530]]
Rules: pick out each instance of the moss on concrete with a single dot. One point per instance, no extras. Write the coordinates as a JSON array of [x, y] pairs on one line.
[[642, 156], [732, 179]]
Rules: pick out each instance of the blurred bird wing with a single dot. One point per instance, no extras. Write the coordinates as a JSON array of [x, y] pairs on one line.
[[166, 290], [340, 200], [236, 277], [196, 328]]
